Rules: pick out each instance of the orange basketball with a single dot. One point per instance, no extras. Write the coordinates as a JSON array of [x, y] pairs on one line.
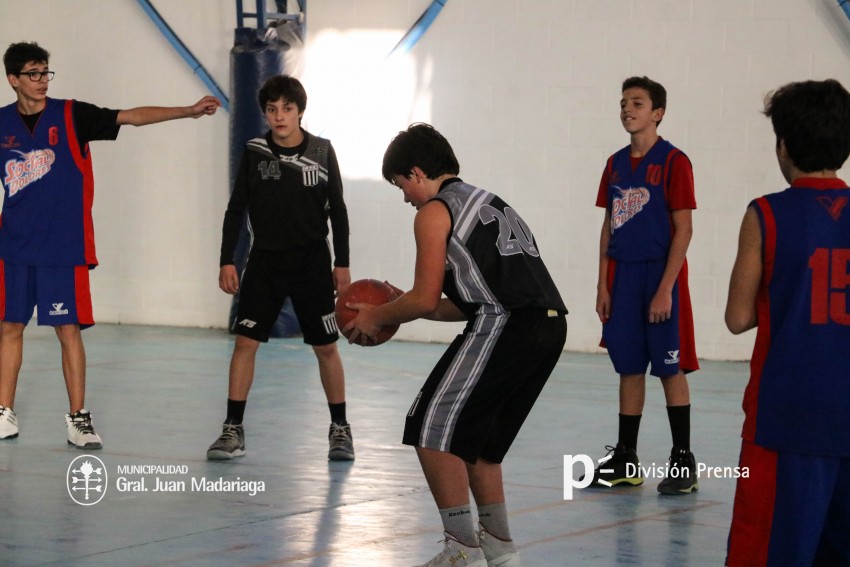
[[373, 292]]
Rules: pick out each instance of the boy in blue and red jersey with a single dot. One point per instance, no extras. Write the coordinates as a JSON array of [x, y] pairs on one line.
[[46, 230], [791, 280], [647, 191]]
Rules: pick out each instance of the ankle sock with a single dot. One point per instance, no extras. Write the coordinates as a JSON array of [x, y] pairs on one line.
[[494, 519], [680, 426], [235, 411], [457, 521], [338, 413], [628, 434]]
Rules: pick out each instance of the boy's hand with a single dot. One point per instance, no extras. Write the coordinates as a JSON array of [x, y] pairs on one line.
[[661, 307], [206, 106], [603, 304], [342, 279], [228, 279]]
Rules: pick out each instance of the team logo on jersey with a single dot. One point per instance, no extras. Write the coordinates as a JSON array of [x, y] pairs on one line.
[[833, 206], [311, 175], [59, 309], [31, 167], [674, 357], [9, 143], [629, 203]]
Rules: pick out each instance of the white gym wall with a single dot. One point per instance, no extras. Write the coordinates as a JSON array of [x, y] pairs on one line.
[[527, 91]]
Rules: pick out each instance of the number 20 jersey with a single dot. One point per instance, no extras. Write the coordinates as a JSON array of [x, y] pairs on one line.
[[796, 399], [492, 262]]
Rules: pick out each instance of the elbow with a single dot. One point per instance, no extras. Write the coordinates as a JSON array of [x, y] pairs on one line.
[[738, 325]]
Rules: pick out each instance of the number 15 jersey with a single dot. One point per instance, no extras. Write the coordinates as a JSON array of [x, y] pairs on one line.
[[796, 399]]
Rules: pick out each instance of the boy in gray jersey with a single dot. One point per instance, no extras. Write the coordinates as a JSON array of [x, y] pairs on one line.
[[474, 248]]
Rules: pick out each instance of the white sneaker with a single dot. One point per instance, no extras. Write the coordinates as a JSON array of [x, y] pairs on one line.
[[455, 554], [8, 423], [499, 553], [81, 434]]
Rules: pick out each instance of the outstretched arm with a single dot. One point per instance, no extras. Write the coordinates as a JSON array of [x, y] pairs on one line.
[[144, 115]]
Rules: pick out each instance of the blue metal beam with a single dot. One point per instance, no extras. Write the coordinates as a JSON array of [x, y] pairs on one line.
[[419, 28], [184, 52]]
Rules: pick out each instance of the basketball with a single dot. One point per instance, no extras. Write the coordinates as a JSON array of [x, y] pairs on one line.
[[373, 292]]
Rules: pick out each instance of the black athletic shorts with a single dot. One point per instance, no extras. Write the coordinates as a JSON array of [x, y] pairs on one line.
[[305, 275], [477, 397]]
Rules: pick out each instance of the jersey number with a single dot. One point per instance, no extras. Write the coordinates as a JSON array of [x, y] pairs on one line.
[[269, 169], [829, 294], [53, 135], [514, 235], [653, 174]]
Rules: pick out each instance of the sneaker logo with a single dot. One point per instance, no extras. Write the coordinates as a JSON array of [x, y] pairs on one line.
[[58, 309], [460, 555], [674, 357], [247, 323], [86, 480]]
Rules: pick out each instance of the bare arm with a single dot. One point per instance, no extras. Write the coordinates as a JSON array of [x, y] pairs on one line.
[[603, 296], [431, 229], [143, 115], [741, 314], [661, 306]]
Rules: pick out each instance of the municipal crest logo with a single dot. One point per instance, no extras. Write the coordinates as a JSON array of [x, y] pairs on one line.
[[310, 174], [86, 480]]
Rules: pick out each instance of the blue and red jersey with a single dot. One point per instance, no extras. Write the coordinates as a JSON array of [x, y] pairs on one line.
[[49, 188], [640, 193], [796, 399]]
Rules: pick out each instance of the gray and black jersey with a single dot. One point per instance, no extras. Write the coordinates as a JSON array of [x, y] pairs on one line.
[[493, 265], [289, 194]]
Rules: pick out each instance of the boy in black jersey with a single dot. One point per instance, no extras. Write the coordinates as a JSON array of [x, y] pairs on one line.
[[289, 184], [478, 251]]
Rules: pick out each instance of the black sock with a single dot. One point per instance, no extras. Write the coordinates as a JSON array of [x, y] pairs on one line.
[[680, 426], [338, 413], [235, 411], [629, 427]]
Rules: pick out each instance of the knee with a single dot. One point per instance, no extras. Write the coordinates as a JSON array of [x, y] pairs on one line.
[[245, 345], [326, 352]]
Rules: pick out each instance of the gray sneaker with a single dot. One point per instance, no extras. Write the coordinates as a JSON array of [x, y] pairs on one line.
[[230, 444], [81, 433], [341, 443], [8, 423]]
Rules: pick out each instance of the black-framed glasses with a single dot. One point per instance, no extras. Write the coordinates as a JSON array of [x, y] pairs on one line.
[[36, 76]]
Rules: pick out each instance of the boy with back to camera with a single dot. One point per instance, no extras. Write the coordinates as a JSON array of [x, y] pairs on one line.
[[289, 183], [476, 249], [791, 281], [647, 191], [47, 233]]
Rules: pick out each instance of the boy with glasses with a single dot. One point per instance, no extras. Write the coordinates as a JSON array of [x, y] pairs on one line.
[[46, 233]]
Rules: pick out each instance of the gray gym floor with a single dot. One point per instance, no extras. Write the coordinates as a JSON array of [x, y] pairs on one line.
[[158, 395]]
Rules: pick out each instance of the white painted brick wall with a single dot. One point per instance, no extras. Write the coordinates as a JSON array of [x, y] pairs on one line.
[[527, 91]]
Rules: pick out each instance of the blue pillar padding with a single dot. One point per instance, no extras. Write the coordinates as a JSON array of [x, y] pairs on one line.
[[257, 55]]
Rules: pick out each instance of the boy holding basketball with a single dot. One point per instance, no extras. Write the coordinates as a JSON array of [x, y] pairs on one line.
[[47, 234], [647, 191], [289, 184], [791, 281], [474, 248]]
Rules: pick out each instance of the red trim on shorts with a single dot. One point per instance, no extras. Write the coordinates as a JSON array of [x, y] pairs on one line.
[[752, 514], [2, 290], [763, 338], [687, 344], [612, 268], [82, 292], [85, 166]]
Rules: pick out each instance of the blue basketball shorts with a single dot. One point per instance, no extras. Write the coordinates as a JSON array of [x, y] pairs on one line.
[[633, 342], [793, 510], [61, 294]]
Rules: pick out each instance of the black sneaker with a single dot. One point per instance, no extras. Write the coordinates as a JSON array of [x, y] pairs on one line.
[[341, 443], [620, 466], [682, 475]]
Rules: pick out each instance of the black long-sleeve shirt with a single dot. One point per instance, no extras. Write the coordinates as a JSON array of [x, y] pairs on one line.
[[289, 193]]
